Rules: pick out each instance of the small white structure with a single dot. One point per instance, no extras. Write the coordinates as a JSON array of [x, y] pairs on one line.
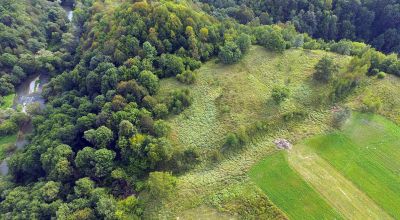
[[283, 144]]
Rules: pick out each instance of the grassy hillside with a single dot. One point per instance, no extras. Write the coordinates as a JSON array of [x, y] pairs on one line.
[[226, 98], [230, 97]]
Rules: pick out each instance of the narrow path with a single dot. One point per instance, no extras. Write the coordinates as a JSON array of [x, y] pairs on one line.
[[337, 190]]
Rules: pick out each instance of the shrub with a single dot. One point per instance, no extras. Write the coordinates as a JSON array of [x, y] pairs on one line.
[[244, 42], [371, 104], [381, 75], [160, 110], [161, 128], [325, 70], [373, 72], [280, 94], [340, 116], [232, 141], [294, 115], [179, 100], [8, 128], [230, 53], [187, 77]]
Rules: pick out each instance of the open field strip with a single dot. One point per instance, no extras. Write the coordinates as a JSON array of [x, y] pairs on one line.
[[342, 194], [287, 189], [366, 152]]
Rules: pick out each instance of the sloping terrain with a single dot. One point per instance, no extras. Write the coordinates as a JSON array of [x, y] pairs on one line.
[[366, 153], [226, 98]]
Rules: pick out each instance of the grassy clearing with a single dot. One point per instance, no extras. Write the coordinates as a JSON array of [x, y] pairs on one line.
[[289, 191], [8, 101], [367, 153], [227, 97], [341, 193], [5, 142]]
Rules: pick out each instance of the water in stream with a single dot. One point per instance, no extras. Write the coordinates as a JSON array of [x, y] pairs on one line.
[[29, 92], [69, 11]]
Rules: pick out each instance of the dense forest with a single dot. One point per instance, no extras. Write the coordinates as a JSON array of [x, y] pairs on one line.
[[375, 22], [99, 149]]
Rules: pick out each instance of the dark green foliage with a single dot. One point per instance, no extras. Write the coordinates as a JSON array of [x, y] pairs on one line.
[[271, 38], [187, 77], [149, 80], [280, 94], [243, 42], [171, 65], [374, 21], [325, 70], [179, 100], [230, 53]]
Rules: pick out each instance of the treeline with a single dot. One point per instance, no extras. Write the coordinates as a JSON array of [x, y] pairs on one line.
[[375, 22]]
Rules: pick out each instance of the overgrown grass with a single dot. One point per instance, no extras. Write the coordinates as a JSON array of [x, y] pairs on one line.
[[5, 143], [289, 191], [8, 101], [367, 153], [226, 98]]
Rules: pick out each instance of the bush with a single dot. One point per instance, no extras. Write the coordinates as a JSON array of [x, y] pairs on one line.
[[244, 42], [161, 128], [187, 77], [371, 104], [160, 110], [373, 72], [325, 70], [294, 115], [179, 100], [230, 53], [381, 75], [232, 141], [280, 94], [340, 116], [8, 128]]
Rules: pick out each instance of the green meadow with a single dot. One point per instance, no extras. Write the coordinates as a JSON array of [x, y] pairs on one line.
[[367, 152], [287, 189]]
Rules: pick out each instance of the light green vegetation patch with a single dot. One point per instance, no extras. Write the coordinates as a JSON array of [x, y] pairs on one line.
[[338, 191], [367, 152], [286, 188], [227, 97], [383, 90], [5, 143], [7, 101]]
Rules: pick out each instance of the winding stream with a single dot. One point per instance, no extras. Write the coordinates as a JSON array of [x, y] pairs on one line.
[[27, 93]]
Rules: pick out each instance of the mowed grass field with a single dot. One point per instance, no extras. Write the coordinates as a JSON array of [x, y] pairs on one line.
[[287, 189], [366, 152]]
